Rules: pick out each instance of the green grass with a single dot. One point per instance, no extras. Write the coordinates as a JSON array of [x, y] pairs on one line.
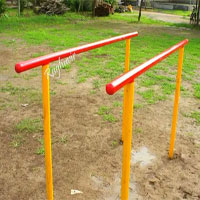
[[17, 140], [196, 115], [168, 88], [12, 90], [23, 128], [5, 106], [134, 19], [30, 76], [97, 84], [138, 105], [138, 130], [197, 90], [29, 126], [106, 113], [61, 82], [117, 104], [41, 150], [28, 95], [115, 143], [175, 12], [109, 118], [104, 110], [3, 68], [151, 96], [64, 139], [52, 92], [106, 63]]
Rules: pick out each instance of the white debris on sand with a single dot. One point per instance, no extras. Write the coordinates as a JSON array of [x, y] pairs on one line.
[[143, 156]]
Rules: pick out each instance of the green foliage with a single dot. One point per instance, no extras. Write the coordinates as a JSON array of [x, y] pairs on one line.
[[2, 7], [112, 2], [79, 5]]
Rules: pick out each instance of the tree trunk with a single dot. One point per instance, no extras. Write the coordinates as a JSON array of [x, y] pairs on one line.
[[79, 6], [125, 2], [19, 11], [94, 3], [198, 11], [140, 10]]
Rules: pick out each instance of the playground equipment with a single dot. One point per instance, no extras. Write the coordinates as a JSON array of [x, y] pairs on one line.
[[44, 61], [127, 81]]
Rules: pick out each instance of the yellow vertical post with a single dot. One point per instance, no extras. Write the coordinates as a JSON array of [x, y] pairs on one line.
[[127, 129], [127, 137], [127, 60], [176, 102], [47, 132]]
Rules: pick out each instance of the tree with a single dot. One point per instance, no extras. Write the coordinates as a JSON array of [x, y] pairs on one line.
[[125, 2], [198, 12], [80, 5], [2, 7], [94, 3], [140, 10], [21, 6]]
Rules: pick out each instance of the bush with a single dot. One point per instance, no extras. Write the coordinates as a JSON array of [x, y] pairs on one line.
[[79, 5], [112, 2], [2, 7]]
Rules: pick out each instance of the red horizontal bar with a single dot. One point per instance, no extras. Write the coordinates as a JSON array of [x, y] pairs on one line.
[[128, 77], [43, 60]]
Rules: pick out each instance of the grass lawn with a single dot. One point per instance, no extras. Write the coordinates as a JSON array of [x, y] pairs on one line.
[[175, 12], [70, 30]]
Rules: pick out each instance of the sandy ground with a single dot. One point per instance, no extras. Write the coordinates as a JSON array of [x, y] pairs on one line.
[[90, 161], [166, 17]]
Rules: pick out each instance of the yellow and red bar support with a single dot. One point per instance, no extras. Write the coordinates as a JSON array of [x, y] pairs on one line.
[[45, 61], [126, 80]]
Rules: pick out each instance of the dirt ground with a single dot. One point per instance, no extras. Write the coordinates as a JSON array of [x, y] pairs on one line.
[[90, 159], [166, 17]]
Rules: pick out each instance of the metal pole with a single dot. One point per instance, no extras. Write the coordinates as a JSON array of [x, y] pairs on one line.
[[127, 61], [47, 132], [176, 102], [127, 137]]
